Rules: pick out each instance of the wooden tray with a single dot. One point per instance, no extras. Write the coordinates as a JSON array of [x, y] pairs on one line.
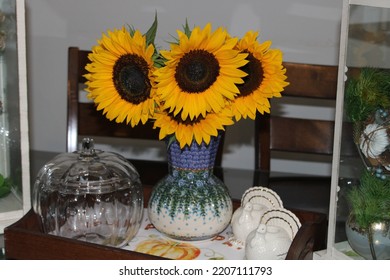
[[25, 240]]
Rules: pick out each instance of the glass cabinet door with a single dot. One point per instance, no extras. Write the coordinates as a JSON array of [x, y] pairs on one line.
[[14, 145], [359, 216]]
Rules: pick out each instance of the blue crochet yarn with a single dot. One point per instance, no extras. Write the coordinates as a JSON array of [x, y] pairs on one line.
[[194, 157]]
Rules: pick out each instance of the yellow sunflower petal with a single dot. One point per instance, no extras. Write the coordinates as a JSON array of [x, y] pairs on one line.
[[270, 84], [208, 97], [116, 102]]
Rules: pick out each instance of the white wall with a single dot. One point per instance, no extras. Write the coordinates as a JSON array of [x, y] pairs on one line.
[[305, 30]]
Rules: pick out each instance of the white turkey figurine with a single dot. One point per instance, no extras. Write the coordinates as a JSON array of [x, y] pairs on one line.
[[254, 202], [271, 240], [244, 221]]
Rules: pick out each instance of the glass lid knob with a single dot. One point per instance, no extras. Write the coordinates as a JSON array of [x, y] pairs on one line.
[[87, 148]]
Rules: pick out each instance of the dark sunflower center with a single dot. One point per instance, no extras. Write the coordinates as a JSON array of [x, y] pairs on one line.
[[187, 121], [197, 71], [131, 80], [254, 78]]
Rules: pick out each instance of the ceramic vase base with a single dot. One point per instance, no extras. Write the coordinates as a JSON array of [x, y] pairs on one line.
[[199, 210], [190, 229]]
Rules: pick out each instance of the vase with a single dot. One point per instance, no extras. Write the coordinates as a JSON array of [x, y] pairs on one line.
[[190, 203], [372, 243]]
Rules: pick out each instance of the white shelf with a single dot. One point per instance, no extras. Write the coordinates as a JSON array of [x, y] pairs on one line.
[[11, 209], [357, 50], [14, 117], [340, 251]]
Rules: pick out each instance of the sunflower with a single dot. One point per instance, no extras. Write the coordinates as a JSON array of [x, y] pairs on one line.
[[200, 73], [199, 129], [266, 77], [120, 77]]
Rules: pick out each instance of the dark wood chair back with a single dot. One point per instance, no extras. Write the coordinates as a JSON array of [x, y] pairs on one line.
[[277, 133], [83, 120], [299, 136]]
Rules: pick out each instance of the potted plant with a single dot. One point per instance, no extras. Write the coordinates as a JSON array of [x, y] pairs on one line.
[[367, 100], [368, 224]]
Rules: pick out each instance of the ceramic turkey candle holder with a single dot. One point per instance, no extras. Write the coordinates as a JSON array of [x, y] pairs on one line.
[[273, 236], [254, 202]]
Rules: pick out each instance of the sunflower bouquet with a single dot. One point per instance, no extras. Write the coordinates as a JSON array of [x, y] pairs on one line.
[[205, 81]]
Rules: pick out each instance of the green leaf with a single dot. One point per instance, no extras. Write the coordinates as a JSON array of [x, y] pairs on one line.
[[367, 92], [187, 29], [150, 34], [152, 31], [5, 189], [131, 30], [370, 200], [171, 139]]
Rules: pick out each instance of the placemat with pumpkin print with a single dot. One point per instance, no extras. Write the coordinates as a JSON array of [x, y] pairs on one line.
[[150, 241]]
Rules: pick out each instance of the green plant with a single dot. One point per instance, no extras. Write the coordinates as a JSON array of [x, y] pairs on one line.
[[5, 186], [366, 93], [370, 200]]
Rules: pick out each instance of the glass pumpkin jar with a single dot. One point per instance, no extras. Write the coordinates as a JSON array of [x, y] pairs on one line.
[[89, 195]]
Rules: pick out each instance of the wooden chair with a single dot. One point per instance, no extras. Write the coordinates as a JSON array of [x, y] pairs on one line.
[[83, 120], [311, 238], [300, 137]]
